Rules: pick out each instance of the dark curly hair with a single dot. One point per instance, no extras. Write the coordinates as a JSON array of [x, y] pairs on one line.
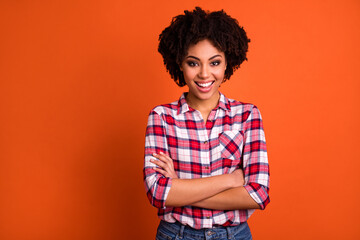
[[218, 27]]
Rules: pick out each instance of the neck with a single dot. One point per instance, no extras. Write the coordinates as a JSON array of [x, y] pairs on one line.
[[201, 104]]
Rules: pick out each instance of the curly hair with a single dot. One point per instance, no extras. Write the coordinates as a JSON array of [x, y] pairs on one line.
[[188, 29]]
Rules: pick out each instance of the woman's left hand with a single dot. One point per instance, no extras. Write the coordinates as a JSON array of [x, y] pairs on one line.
[[166, 165]]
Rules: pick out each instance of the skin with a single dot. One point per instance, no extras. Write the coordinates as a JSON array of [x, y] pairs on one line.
[[204, 64]]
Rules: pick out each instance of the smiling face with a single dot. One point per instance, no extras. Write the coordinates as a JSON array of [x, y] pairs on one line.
[[203, 68]]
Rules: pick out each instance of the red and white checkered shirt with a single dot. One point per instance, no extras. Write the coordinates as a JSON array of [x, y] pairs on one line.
[[232, 138]]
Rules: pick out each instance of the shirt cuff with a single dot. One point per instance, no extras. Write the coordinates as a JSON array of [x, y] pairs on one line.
[[259, 193]]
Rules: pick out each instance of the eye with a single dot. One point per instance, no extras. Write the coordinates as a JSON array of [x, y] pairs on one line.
[[215, 63], [192, 63]]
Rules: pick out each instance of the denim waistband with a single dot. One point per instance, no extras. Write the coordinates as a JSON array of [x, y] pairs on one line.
[[220, 231]]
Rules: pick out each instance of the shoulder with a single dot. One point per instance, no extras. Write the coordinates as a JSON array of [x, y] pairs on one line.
[[239, 106], [243, 111], [165, 109]]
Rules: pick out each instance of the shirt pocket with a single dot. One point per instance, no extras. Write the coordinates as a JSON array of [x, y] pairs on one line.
[[231, 145]]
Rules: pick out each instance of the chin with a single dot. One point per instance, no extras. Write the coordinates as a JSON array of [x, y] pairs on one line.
[[206, 96]]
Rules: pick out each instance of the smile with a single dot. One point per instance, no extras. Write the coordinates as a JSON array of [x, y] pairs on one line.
[[205, 85]]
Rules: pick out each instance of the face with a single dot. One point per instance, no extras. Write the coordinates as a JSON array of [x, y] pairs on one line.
[[204, 69]]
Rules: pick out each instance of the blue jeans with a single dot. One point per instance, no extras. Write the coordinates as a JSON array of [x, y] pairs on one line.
[[175, 231]]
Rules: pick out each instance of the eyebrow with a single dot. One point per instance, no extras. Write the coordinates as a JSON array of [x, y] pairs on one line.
[[218, 55]]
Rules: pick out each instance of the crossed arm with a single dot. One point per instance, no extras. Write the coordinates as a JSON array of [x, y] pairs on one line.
[[223, 192]]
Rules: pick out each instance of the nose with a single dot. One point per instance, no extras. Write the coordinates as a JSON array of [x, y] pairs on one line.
[[204, 72]]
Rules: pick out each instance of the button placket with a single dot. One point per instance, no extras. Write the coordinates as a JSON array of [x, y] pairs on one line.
[[206, 143]]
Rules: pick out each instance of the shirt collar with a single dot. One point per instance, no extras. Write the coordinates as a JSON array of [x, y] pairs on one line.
[[184, 107]]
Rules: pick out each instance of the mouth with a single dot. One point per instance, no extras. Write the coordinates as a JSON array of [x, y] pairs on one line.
[[204, 84]]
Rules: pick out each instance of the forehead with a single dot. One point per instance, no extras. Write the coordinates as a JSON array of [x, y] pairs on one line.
[[204, 49]]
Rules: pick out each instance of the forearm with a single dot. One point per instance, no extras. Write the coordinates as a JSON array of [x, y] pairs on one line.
[[231, 199], [188, 191]]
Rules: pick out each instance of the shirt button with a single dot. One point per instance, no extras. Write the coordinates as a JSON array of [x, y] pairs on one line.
[[207, 168], [206, 142], [208, 217]]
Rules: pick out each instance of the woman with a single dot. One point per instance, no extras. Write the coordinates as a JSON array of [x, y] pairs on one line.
[[206, 167]]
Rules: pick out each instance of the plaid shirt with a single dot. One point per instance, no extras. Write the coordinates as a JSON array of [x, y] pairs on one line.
[[232, 138]]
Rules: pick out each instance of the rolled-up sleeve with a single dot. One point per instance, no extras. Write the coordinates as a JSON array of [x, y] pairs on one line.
[[157, 186], [255, 159]]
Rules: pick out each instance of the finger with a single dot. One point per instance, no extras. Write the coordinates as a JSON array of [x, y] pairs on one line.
[[167, 165], [159, 163], [159, 155], [166, 158], [159, 170], [164, 154], [162, 158]]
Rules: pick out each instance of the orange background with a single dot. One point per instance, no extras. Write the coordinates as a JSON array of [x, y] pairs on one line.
[[78, 79]]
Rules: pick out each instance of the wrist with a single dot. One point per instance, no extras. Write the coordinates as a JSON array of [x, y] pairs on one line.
[[237, 179], [234, 182]]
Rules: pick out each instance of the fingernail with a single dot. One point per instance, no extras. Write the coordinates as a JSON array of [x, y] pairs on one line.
[[154, 154], [161, 153]]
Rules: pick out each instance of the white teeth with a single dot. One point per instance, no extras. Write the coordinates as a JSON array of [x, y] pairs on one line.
[[204, 84]]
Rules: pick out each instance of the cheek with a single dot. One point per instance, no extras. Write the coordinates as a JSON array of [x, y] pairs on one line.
[[220, 74], [189, 75]]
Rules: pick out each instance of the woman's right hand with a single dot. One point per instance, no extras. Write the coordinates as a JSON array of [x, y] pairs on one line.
[[165, 165]]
